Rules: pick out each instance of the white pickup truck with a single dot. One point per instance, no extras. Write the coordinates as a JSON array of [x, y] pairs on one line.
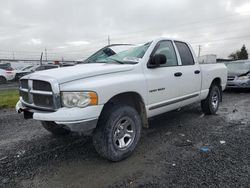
[[113, 97]]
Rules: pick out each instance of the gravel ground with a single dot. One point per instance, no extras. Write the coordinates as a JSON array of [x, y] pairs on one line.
[[180, 149]]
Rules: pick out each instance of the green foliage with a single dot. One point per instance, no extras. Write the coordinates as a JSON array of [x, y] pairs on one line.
[[239, 55], [9, 98]]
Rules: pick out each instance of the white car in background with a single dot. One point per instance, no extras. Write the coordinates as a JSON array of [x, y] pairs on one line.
[[6, 73], [30, 69]]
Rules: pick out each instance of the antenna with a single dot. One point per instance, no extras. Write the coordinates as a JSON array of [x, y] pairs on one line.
[[41, 59], [108, 40]]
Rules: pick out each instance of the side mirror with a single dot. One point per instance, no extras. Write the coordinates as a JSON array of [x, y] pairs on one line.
[[157, 60]]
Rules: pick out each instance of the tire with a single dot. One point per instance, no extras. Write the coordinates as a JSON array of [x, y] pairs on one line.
[[118, 132], [211, 104], [55, 129], [2, 80]]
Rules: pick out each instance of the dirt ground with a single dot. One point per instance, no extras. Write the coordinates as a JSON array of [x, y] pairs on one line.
[[180, 149]]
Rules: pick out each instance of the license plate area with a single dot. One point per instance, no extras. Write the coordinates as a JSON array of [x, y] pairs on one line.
[[27, 114]]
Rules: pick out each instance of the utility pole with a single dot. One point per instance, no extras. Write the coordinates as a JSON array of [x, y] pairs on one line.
[[108, 40], [46, 57], [13, 55], [199, 52]]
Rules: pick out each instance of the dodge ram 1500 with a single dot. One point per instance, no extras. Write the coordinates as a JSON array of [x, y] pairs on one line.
[[113, 97]]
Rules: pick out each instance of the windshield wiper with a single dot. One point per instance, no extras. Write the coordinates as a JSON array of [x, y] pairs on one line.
[[118, 61]]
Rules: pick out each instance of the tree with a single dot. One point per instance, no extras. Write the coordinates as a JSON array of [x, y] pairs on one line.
[[239, 55], [243, 53]]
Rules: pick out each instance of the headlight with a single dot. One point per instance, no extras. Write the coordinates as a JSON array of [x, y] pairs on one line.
[[243, 78], [78, 99]]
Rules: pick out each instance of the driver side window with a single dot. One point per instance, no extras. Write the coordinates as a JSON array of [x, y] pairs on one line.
[[166, 48]]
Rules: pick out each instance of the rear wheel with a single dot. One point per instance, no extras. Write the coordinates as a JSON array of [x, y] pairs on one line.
[[211, 104], [118, 132], [54, 128], [2, 80]]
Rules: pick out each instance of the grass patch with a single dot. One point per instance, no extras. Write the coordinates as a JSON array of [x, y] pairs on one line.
[[8, 98]]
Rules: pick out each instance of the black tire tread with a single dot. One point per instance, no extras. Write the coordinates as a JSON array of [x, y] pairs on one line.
[[206, 103], [101, 141]]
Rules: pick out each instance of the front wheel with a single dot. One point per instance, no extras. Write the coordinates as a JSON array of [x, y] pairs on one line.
[[211, 104], [118, 132], [55, 129]]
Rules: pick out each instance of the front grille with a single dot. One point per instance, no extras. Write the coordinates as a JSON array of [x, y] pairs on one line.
[[43, 100], [230, 78], [41, 85], [24, 84], [25, 96], [37, 94]]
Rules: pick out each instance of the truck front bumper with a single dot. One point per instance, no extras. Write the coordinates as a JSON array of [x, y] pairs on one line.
[[76, 119]]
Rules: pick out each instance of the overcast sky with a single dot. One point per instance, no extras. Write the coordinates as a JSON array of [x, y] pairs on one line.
[[74, 28]]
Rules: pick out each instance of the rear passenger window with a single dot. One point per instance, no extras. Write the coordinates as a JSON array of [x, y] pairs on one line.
[[166, 48], [185, 53]]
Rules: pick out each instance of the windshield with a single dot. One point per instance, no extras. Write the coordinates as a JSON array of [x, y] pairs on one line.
[[26, 68], [238, 67], [6, 66], [126, 55], [130, 56]]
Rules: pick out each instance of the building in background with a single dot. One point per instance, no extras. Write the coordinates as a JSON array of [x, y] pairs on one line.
[[209, 58]]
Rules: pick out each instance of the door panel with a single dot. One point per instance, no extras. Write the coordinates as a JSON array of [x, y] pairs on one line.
[[163, 85], [190, 82]]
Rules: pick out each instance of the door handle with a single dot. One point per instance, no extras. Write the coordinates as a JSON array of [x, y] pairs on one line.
[[197, 72], [177, 74]]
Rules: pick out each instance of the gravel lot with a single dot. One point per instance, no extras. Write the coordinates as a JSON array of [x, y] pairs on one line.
[[180, 149]]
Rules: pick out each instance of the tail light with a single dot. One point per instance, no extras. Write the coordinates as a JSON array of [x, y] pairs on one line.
[[9, 72]]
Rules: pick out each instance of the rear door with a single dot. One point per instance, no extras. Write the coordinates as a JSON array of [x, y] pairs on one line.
[[190, 78]]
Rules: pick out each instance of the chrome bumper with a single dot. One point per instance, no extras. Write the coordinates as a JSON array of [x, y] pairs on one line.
[[76, 119], [238, 84]]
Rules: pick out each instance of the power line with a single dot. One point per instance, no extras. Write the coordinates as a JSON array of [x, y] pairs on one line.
[[223, 39], [123, 37]]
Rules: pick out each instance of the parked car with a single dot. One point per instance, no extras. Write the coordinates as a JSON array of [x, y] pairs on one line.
[[113, 97], [24, 71], [31, 69], [238, 74], [6, 73]]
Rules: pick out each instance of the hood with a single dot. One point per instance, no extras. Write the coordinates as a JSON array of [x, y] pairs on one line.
[[82, 71], [239, 73]]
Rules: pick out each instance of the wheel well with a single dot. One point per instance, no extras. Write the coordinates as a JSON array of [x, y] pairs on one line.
[[217, 81], [132, 99]]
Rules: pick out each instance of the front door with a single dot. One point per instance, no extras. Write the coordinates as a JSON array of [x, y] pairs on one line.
[[163, 85]]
